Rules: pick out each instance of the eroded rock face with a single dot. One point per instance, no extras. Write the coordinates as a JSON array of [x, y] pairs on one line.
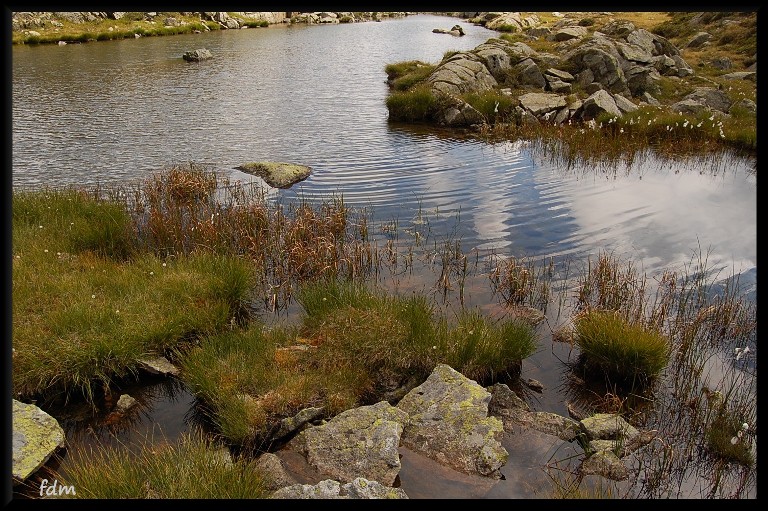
[[36, 436], [361, 442], [449, 423]]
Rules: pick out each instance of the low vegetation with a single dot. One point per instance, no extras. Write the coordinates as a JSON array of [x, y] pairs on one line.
[[192, 468], [354, 345]]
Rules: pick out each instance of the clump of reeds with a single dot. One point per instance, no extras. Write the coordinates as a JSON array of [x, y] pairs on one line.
[[523, 281], [626, 353]]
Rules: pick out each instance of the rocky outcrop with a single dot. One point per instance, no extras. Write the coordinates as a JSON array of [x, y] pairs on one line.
[[361, 442], [360, 488], [617, 68], [449, 423], [36, 436], [277, 174]]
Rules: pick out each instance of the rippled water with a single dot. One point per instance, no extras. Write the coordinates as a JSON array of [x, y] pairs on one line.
[[117, 111]]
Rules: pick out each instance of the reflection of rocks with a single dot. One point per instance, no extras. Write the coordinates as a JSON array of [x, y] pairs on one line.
[[607, 437], [449, 422], [360, 488], [36, 436]]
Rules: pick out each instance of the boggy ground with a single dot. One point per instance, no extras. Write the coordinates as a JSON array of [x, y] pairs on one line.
[[105, 277]]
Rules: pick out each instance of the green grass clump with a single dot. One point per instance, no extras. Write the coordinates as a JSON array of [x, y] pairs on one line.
[[402, 335], [190, 469], [83, 313], [624, 352], [492, 104], [507, 28], [73, 221], [414, 105], [404, 75], [254, 23]]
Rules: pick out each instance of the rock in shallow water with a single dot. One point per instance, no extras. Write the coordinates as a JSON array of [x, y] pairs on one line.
[[277, 174]]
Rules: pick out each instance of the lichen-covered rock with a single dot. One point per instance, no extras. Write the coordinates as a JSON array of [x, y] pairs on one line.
[[361, 442], [291, 424], [36, 436], [449, 423], [359, 488], [608, 426], [277, 174]]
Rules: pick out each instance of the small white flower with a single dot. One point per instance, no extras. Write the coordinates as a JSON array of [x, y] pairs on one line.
[[93, 296], [163, 265], [325, 299], [699, 125], [41, 226], [46, 250], [117, 311], [621, 130], [745, 426], [735, 440], [151, 273], [434, 347], [712, 117]]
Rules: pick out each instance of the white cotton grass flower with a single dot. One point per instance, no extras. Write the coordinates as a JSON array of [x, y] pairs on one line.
[[164, 265], [745, 426], [93, 296]]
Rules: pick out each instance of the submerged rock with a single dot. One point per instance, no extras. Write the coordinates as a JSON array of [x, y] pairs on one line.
[[277, 174], [36, 436]]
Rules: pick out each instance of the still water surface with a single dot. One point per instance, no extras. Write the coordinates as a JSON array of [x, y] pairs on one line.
[[118, 111]]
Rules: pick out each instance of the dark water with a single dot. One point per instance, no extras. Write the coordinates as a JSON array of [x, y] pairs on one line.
[[117, 111]]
